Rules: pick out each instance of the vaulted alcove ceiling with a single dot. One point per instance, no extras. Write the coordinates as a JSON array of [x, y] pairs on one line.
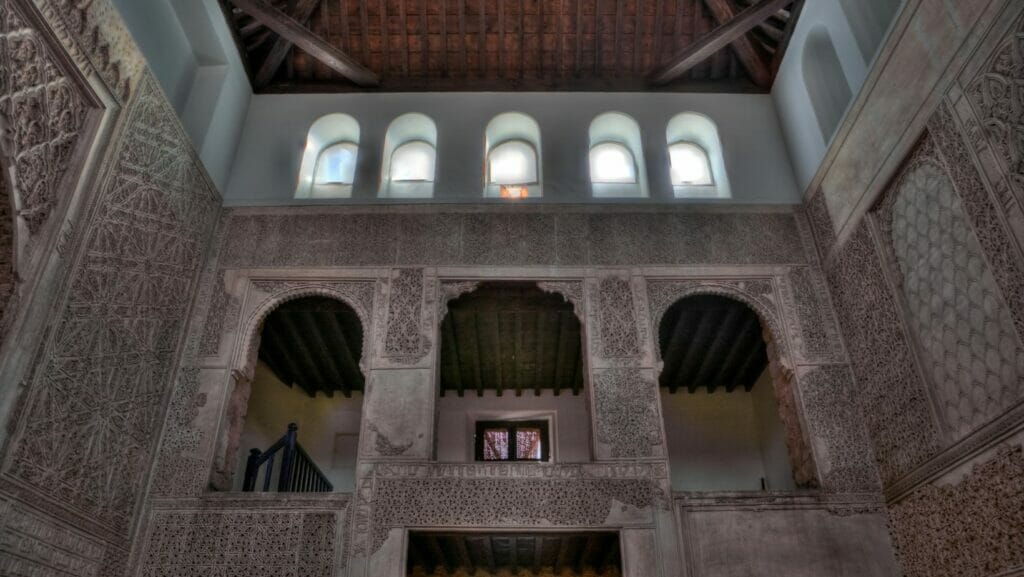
[[510, 336], [566, 554], [537, 45]]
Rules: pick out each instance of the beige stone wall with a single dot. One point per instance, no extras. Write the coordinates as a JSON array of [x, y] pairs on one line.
[[929, 289]]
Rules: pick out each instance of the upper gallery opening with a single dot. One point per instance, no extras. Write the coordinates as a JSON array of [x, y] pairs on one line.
[[497, 45]]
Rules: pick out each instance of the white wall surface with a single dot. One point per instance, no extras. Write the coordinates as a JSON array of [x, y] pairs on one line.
[[328, 427], [802, 135], [191, 52], [570, 433], [725, 441], [267, 164]]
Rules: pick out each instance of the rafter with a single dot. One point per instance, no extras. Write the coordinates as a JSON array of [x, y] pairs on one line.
[[724, 35], [291, 30], [745, 50]]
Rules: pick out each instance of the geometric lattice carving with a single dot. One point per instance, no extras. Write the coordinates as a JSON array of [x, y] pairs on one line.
[[972, 527], [889, 388], [404, 340], [252, 543], [997, 96], [970, 344], [626, 413], [222, 307], [95, 401], [179, 471], [815, 336], [43, 112], [618, 331], [841, 443]]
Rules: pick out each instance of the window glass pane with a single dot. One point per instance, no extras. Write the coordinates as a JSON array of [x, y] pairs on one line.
[[528, 445], [612, 162], [496, 444], [413, 161], [337, 164], [512, 162], [690, 166]]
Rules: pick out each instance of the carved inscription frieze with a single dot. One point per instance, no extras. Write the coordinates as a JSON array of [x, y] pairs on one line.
[[32, 544]]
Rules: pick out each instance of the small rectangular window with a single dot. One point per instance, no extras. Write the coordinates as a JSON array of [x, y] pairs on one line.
[[512, 441]]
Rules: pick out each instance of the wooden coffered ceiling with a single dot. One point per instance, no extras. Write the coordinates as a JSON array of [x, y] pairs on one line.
[[510, 336], [537, 45], [711, 343], [522, 554], [314, 343]]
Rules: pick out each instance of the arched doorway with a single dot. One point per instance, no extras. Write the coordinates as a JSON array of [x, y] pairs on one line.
[[730, 419], [511, 377], [306, 373]]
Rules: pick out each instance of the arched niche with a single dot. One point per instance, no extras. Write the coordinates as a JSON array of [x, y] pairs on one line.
[[408, 132], [825, 81], [511, 352], [513, 127], [302, 361], [869, 20], [327, 132], [621, 130], [731, 415], [700, 130]]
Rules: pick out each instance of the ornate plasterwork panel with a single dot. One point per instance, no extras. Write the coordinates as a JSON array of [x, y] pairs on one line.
[[618, 331], [571, 291], [8, 278], [96, 396], [997, 94], [809, 317], [32, 544], [506, 496], [451, 290], [841, 445], [331, 237], [222, 306], [821, 223], [405, 341], [971, 527], [43, 110], [627, 420], [890, 390], [970, 348], [256, 542], [179, 471]]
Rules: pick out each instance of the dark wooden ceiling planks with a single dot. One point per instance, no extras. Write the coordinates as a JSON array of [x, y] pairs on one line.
[[314, 343], [565, 554], [538, 45], [510, 336], [711, 342]]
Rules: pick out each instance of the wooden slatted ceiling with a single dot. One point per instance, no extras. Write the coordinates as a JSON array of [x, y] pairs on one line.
[[510, 337], [711, 342], [566, 554], [439, 45], [314, 343]]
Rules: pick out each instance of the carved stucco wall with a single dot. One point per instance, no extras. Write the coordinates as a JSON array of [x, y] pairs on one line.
[[929, 291], [83, 433]]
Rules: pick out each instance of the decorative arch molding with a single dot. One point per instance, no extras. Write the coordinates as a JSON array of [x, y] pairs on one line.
[[760, 295], [757, 293], [358, 294], [572, 292]]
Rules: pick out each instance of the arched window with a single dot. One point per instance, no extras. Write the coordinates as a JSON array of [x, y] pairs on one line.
[[696, 158], [612, 163], [512, 161], [329, 161], [410, 157], [825, 81], [869, 21], [413, 162], [337, 164], [689, 165], [616, 157]]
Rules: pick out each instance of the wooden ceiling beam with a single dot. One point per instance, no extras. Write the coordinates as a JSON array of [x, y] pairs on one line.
[[279, 51], [721, 37], [300, 36], [745, 50]]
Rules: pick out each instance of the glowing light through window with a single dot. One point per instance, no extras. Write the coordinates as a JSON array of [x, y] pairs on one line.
[[337, 164], [413, 162], [512, 162], [611, 162], [690, 166]]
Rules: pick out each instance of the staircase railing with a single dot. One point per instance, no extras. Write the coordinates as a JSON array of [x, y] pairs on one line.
[[297, 472]]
